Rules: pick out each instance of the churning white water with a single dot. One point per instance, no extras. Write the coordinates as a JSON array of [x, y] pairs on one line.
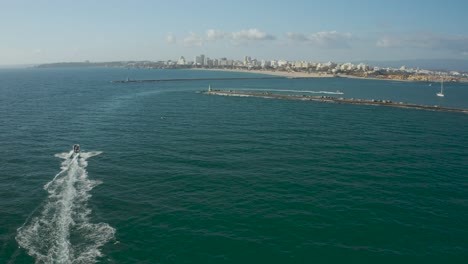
[[62, 231]]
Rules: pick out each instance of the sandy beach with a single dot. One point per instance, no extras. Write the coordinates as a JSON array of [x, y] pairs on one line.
[[314, 75], [275, 73]]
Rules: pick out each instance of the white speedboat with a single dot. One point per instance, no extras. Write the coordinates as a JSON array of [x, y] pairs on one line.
[[76, 148]]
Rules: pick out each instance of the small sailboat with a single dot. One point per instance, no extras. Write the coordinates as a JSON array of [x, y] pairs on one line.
[[441, 94]]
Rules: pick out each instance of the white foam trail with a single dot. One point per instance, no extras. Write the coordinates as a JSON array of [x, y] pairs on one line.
[[294, 91], [62, 232]]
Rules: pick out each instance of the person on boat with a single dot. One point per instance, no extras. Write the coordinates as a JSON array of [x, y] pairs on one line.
[[76, 148]]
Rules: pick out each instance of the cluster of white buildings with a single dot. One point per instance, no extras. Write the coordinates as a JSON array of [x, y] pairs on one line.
[[331, 67], [204, 61], [249, 62]]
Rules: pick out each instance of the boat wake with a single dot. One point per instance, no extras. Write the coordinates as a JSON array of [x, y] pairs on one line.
[[62, 232], [295, 91]]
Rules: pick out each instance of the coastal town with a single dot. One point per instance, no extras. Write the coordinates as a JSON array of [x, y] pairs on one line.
[[292, 69]]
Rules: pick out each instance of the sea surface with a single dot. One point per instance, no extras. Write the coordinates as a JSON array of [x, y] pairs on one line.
[[168, 175]]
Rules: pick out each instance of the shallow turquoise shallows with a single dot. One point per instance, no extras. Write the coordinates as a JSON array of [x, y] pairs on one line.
[[168, 175]]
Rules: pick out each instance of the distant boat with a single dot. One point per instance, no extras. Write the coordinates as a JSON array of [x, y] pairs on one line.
[[441, 94]]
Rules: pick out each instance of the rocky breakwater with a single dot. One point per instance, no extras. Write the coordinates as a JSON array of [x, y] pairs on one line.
[[330, 99]]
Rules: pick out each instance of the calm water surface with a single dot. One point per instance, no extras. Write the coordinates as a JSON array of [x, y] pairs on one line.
[[168, 175]]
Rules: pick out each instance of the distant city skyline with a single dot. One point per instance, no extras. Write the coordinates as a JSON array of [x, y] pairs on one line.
[[36, 32]]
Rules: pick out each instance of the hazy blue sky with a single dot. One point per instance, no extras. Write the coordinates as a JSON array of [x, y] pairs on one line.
[[39, 31]]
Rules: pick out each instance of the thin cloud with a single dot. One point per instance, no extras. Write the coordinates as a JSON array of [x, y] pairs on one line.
[[388, 42], [239, 37], [331, 39], [171, 39], [213, 34], [454, 43], [252, 34], [297, 37], [324, 39], [411, 41], [193, 40]]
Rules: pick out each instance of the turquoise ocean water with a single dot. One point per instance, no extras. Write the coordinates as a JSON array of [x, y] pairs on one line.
[[168, 175]]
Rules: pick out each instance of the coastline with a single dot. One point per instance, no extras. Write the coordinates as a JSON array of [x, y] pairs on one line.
[[309, 75], [300, 74], [373, 78]]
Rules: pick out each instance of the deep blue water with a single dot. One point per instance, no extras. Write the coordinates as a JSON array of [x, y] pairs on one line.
[[185, 177]]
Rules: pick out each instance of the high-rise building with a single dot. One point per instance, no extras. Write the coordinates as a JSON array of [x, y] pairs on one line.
[[247, 60], [265, 63], [208, 62], [202, 58], [222, 62], [197, 60]]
